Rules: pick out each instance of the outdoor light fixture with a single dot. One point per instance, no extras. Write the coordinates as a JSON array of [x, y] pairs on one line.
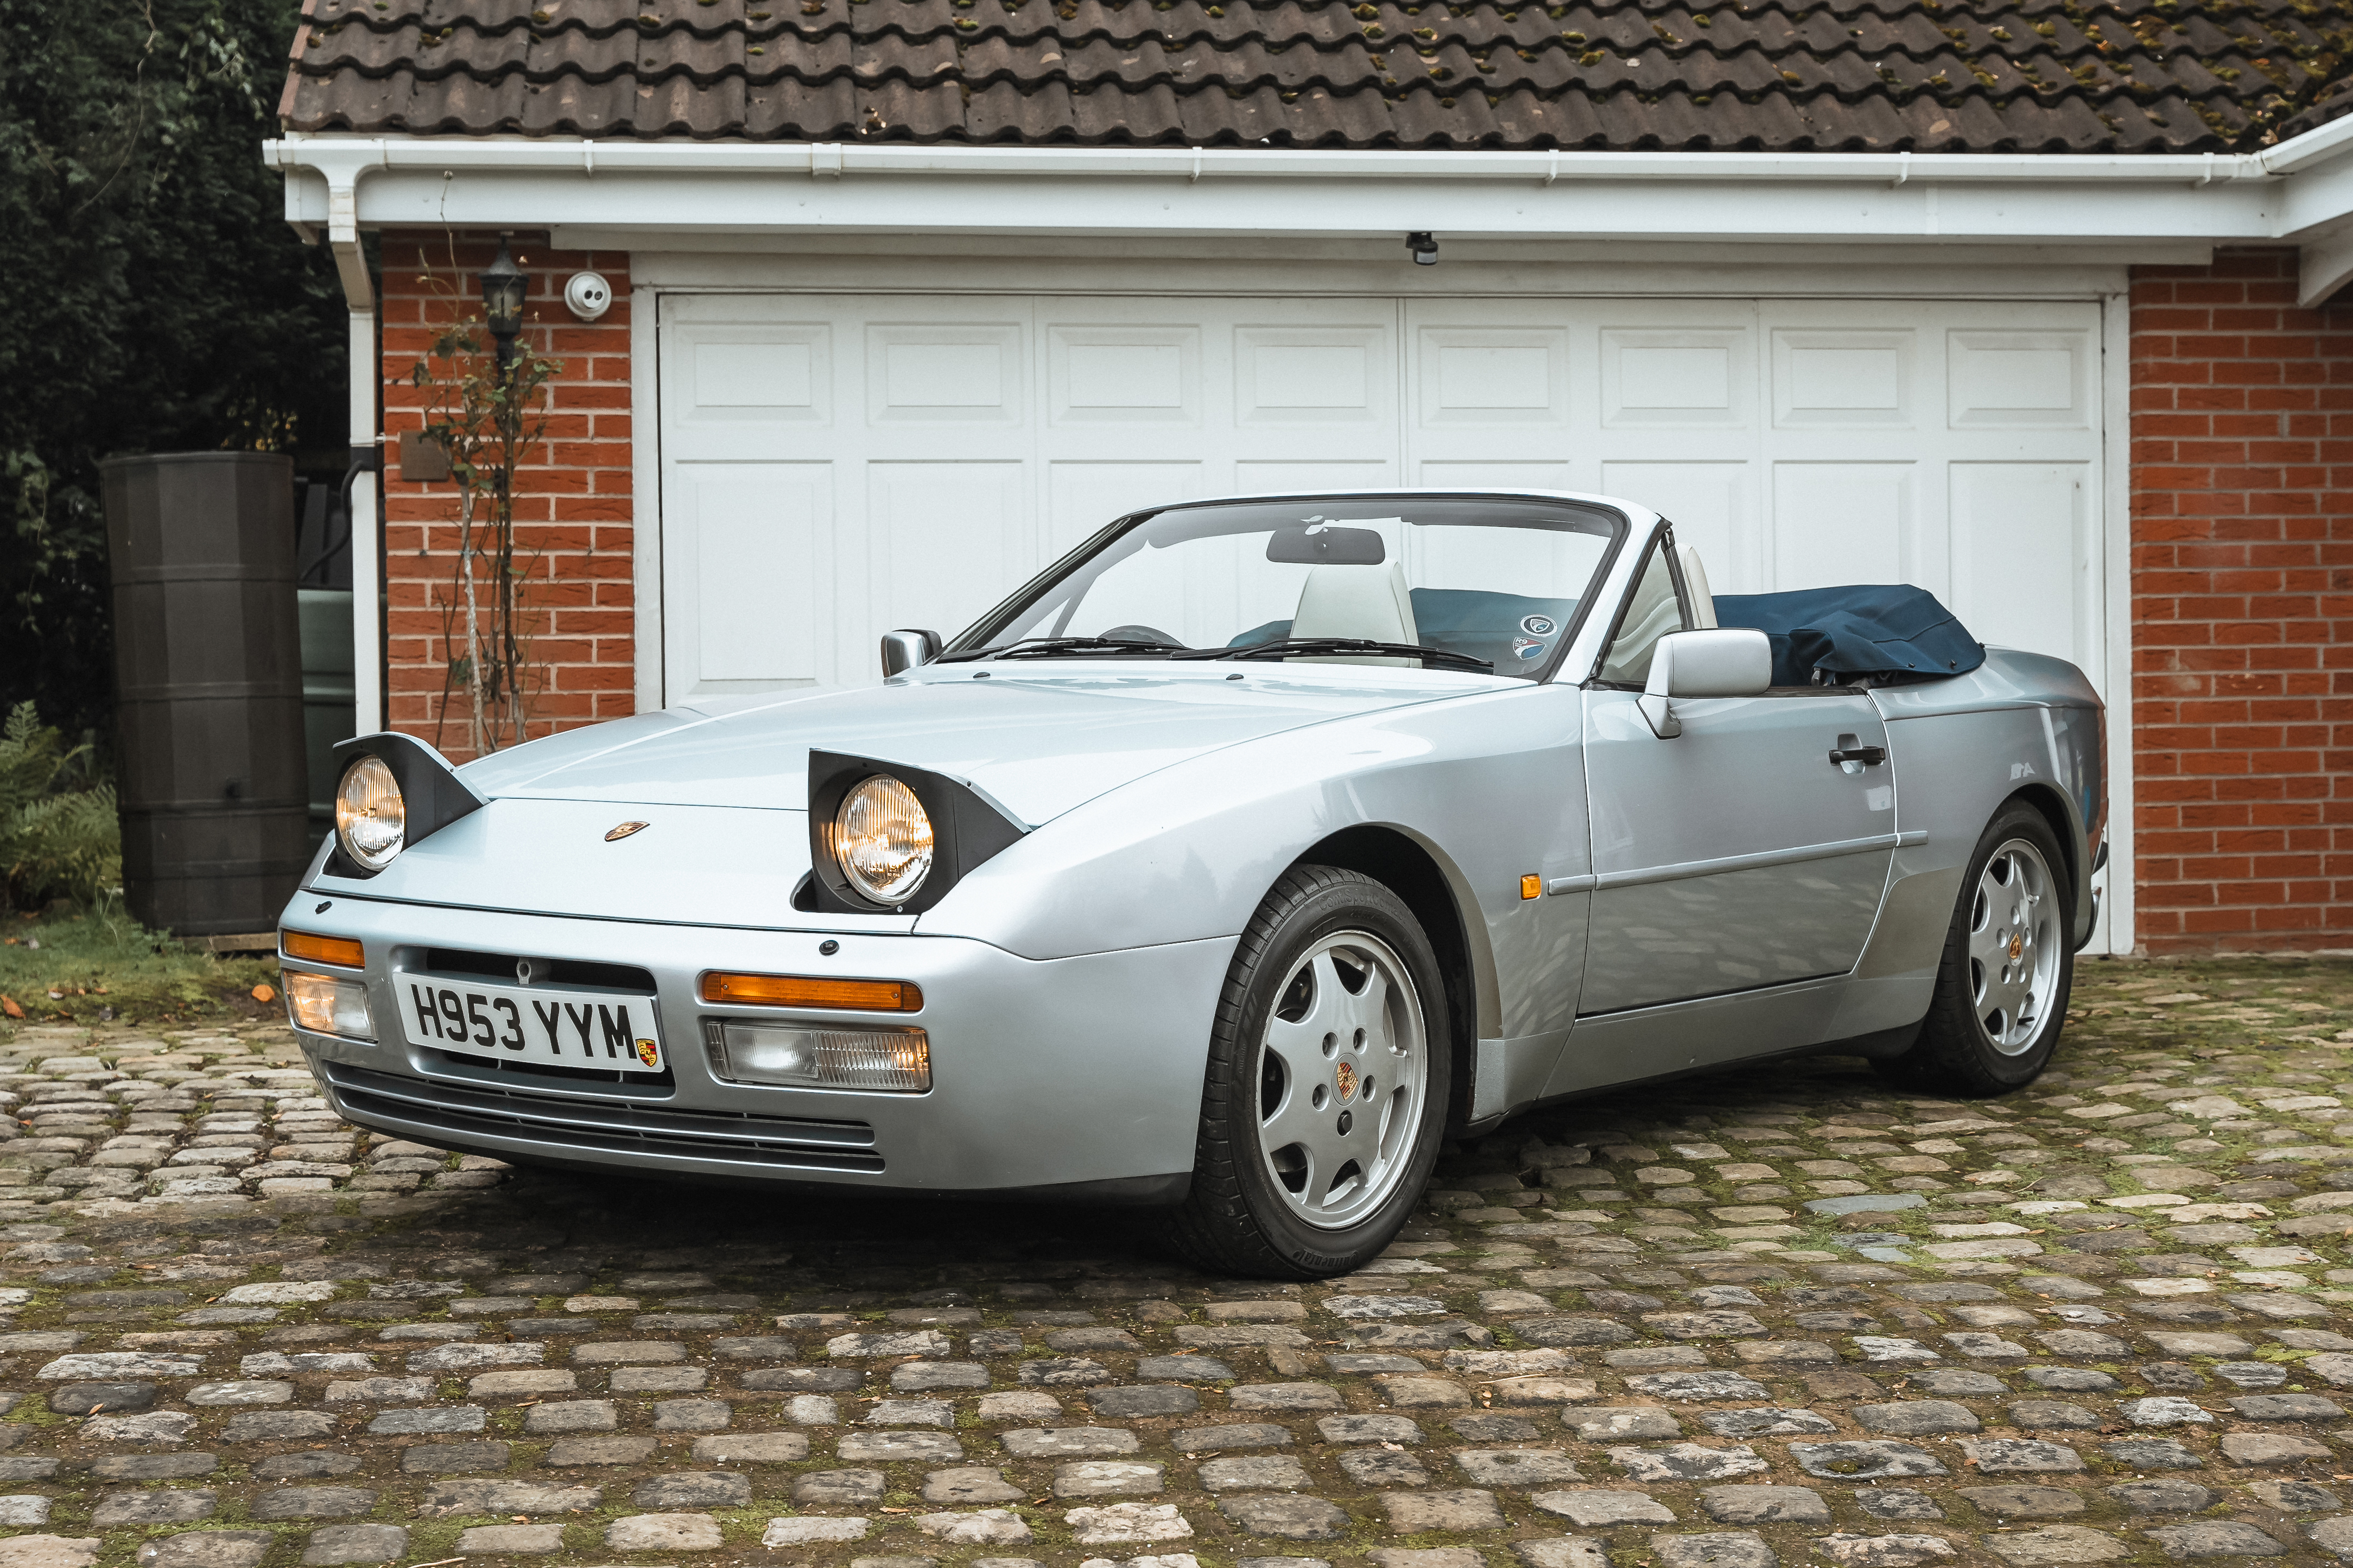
[[1422, 247], [503, 286]]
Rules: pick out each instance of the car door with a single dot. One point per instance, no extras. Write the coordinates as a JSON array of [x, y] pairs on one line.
[[1739, 853]]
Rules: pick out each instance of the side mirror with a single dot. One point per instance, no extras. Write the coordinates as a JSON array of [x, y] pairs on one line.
[[902, 650], [1731, 662]]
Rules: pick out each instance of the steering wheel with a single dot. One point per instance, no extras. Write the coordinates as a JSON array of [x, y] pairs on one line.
[[1143, 633]]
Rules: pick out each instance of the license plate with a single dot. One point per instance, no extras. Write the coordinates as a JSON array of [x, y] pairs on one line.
[[531, 1023]]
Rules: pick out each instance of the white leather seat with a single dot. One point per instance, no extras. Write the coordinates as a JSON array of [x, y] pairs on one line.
[[1369, 602]]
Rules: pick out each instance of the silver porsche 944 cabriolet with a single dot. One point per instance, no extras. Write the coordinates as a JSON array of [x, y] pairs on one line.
[[1224, 868]]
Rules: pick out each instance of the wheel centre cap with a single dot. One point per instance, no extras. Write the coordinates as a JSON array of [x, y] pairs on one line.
[[1346, 1079], [2017, 946]]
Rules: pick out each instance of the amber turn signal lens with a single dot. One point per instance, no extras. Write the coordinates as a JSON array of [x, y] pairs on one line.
[[1532, 887], [798, 990], [340, 949]]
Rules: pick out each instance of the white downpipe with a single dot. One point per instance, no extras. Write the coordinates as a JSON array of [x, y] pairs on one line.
[[344, 164], [367, 557]]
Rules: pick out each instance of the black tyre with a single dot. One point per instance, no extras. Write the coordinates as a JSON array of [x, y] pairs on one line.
[[1328, 1079], [2001, 991]]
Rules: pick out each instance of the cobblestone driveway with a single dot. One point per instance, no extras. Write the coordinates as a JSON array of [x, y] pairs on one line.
[[1787, 1315]]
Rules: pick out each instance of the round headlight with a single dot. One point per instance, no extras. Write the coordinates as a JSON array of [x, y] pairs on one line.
[[882, 841], [370, 820]]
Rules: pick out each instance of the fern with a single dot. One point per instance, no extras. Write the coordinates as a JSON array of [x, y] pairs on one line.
[[54, 842]]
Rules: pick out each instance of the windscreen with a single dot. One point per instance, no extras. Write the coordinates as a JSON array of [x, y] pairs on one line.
[[1493, 581]]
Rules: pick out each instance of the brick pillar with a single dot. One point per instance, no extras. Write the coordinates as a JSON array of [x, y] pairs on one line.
[[2242, 560]]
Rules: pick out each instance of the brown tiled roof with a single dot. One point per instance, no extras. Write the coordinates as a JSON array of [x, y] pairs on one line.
[[1928, 76]]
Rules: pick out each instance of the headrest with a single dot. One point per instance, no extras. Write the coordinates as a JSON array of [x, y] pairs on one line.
[[1370, 601]]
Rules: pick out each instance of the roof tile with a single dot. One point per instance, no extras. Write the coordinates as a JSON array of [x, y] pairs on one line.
[[1927, 76]]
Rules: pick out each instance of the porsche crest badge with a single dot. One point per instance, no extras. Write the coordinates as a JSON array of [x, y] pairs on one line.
[[624, 830], [648, 1053], [1346, 1079]]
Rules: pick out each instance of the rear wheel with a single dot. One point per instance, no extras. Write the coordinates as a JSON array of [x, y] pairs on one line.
[[2001, 991], [1327, 1084]]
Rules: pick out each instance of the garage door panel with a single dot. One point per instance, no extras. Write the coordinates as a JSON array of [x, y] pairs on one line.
[[2018, 380], [756, 546], [1513, 379], [737, 375], [2024, 563], [945, 541], [1844, 380], [1677, 377], [1709, 505], [925, 372], [1291, 376], [1842, 522], [1115, 374]]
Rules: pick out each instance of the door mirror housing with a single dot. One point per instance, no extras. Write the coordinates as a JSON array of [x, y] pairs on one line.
[[902, 650], [1729, 661]]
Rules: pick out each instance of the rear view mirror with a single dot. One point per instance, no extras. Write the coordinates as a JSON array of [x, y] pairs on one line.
[[902, 650], [1730, 661], [1327, 545]]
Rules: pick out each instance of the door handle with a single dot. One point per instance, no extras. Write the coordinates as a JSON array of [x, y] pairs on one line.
[[1846, 751]]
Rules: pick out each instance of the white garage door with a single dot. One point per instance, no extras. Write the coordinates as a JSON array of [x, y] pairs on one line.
[[834, 467]]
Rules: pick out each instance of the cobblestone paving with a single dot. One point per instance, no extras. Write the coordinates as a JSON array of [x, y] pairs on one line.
[[1789, 1315]]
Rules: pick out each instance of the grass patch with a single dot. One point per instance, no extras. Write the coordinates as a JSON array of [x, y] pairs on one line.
[[101, 965]]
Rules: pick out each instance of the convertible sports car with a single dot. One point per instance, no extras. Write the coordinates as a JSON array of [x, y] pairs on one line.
[[1224, 868]]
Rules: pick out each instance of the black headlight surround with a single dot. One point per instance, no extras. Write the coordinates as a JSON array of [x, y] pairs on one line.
[[967, 829], [431, 794]]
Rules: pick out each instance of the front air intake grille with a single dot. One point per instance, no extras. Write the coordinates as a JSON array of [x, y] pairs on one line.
[[571, 971], [725, 1136]]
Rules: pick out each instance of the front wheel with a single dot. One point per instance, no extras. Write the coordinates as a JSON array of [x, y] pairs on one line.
[[1328, 1085], [2001, 991]]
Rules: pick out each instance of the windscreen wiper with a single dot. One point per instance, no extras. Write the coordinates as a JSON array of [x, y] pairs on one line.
[[1049, 647], [1295, 646]]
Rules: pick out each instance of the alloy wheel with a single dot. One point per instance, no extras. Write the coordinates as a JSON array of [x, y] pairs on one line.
[[2014, 947], [1342, 1073]]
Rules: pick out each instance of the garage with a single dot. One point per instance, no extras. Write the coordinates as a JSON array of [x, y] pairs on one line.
[[834, 466]]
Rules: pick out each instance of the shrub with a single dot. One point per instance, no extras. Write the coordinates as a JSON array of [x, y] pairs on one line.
[[55, 841]]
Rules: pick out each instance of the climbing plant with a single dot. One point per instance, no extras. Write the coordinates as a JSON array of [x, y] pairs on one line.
[[486, 414]]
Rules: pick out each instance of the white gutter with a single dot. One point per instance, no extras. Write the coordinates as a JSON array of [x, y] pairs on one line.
[[2313, 147], [833, 160]]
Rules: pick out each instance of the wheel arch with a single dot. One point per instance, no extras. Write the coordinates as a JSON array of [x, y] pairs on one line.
[[2052, 807], [1434, 890]]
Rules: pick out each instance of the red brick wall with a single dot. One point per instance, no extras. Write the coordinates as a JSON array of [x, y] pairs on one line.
[[2242, 603], [573, 505]]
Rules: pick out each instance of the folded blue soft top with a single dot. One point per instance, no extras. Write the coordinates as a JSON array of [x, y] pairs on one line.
[[1873, 634]]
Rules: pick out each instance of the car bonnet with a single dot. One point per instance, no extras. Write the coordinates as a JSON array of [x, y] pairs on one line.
[[1037, 741]]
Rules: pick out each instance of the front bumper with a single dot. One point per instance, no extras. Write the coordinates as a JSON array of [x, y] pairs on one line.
[[1075, 1078]]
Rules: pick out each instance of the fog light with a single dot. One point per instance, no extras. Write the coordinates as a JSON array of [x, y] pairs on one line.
[[329, 1005], [894, 1060]]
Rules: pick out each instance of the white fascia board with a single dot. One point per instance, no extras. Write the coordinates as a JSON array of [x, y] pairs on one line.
[[703, 188]]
